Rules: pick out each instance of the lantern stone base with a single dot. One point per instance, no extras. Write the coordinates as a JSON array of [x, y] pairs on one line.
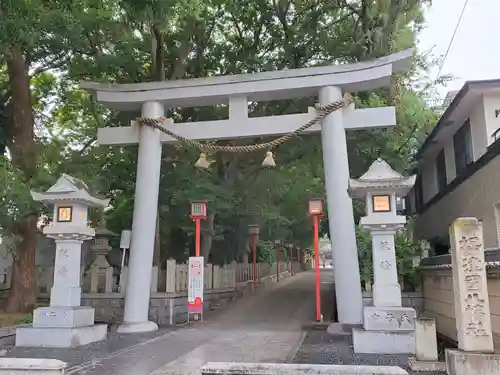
[[426, 366], [383, 342], [60, 337], [386, 330], [61, 327], [389, 318], [63, 317], [459, 362]]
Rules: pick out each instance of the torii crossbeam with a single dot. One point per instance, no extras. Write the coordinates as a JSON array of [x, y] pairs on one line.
[[327, 82]]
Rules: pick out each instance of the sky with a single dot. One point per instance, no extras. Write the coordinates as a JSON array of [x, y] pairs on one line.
[[473, 54]]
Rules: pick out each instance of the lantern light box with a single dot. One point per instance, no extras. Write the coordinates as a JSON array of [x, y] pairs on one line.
[[64, 214], [381, 203], [315, 206], [199, 209]]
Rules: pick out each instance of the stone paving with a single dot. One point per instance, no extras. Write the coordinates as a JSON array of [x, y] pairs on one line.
[[267, 326], [92, 352], [319, 347], [264, 327]]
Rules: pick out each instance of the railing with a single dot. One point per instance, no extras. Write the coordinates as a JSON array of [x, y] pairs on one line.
[[173, 279]]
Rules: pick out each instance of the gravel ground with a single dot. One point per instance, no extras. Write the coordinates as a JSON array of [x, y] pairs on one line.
[[87, 353], [319, 347]]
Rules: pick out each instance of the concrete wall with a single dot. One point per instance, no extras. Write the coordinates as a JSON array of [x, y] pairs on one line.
[[438, 298], [476, 197], [164, 308]]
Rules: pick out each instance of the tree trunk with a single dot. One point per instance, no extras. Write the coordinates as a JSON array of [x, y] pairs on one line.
[[22, 294], [207, 235]]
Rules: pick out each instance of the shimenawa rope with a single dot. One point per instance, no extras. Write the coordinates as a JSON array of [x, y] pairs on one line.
[[322, 112]]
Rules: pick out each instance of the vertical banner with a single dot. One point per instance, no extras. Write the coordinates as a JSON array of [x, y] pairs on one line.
[[195, 288]]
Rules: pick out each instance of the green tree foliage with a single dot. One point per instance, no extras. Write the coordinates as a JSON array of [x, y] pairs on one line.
[[49, 46]]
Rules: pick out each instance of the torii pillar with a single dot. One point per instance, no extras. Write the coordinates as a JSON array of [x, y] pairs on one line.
[[328, 82]]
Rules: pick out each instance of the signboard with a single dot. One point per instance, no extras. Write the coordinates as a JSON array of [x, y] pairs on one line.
[[195, 287], [125, 239]]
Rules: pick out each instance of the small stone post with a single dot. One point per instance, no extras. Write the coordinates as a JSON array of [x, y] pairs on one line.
[[426, 340], [426, 352], [472, 308]]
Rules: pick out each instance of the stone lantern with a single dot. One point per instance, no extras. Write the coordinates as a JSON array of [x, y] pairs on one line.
[[101, 243], [65, 323], [387, 327], [100, 264]]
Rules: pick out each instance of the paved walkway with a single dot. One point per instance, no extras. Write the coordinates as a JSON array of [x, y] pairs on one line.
[[265, 327], [319, 347]]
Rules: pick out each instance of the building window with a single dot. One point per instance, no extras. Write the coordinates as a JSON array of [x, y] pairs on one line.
[[441, 171], [462, 143], [419, 196]]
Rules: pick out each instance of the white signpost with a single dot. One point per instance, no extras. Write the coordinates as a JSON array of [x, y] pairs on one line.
[[195, 288], [125, 239]]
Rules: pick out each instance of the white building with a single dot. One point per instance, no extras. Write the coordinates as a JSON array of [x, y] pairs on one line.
[[459, 167]]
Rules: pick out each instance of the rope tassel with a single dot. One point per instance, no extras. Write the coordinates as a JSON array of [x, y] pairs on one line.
[[321, 112], [268, 161], [202, 162]]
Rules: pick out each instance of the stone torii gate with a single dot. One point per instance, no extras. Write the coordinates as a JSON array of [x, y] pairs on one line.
[[328, 82]]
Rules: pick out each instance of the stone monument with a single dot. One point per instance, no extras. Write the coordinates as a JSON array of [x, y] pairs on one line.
[[66, 324], [387, 327], [472, 307]]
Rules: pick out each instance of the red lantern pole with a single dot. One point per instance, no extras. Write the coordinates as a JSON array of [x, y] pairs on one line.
[[254, 245], [277, 263], [316, 266], [315, 207], [197, 239], [198, 212]]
